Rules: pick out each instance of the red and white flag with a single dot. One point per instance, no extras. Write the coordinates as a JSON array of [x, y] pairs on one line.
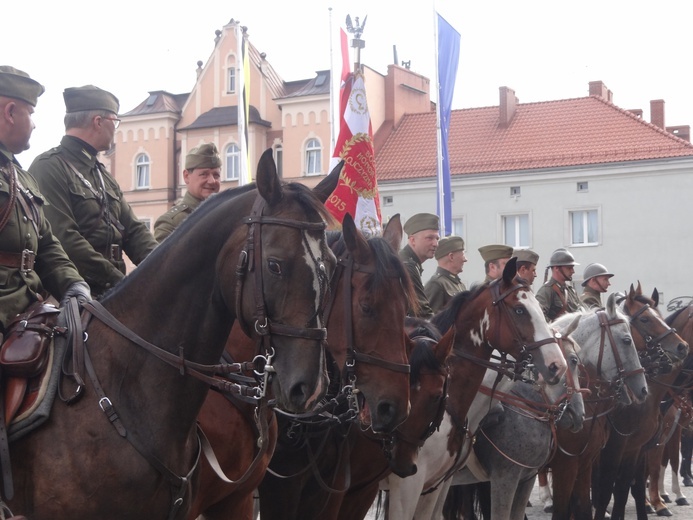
[[357, 190]]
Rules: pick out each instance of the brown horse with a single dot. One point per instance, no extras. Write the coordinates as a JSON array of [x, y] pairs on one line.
[[621, 465], [371, 455], [505, 316], [369, 285], [137, 461]]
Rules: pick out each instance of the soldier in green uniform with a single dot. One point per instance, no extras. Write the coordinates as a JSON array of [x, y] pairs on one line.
[[201, 174], [85, 204], [32, 260], [422, 241], [596, 281], [446, 283], [557, 296], [527, 261], [495, 257]]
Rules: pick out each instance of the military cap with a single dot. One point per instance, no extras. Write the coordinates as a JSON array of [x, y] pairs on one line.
[[204, 156], [421, 221], [89, 97], [593, 270], [449, 245], [495, 252], [526, 255], [17, 84], [562, 256]]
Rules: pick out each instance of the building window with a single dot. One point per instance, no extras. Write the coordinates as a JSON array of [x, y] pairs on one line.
[[142, 171], [458, 227], [233, 162], [231, 87], [582, 186], [516, 230], [387, 200], [515, 191], [313, 157], [279, 160], [584, 227]]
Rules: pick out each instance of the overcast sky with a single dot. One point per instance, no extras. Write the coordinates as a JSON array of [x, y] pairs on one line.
[[543, 49]]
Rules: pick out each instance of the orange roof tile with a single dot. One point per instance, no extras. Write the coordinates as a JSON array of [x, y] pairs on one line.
[[548, 134]]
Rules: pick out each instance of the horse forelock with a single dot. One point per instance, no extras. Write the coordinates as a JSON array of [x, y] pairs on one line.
[[422, 356]]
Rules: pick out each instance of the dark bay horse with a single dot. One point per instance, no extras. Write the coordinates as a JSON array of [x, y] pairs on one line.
[[127, 449], [372, 457], [505, 316], [369, 294], [621, 464]]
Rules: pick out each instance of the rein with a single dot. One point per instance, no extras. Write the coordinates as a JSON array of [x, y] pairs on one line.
[[653, 358]]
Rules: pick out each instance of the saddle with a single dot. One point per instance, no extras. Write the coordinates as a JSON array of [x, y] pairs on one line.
[[25, 355]]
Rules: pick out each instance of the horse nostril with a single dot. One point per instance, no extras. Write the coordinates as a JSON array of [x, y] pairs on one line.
[[644, 391], [554, 368], [683, 348]]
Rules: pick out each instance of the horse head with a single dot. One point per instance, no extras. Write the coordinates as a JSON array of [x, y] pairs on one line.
[[608, 353], [429, 376], [366, 336], [279, 284], [658, 343], [567, 395]]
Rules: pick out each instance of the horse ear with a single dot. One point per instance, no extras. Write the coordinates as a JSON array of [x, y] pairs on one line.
[[573, 325], [611, 304], [655, 297], [393, 232], [268, 183], [326, 186], [355, 241], [444, 346], [510, 270], [631, 294], [639, 289]]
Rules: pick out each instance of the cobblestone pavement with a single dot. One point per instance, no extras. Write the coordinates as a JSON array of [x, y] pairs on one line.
[[536, 512]]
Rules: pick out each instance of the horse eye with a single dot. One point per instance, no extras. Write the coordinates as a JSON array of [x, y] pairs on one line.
[[519, 310], [627, 340], [274, 267], [366, 309], [574, 360]]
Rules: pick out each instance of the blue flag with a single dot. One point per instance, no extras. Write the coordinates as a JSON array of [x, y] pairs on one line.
[[448, 59]]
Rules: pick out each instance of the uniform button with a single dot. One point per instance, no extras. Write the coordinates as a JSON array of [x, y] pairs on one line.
[[25, 219], [28, 236]]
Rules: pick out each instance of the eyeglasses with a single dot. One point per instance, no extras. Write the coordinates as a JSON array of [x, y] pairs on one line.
[[116, 121]]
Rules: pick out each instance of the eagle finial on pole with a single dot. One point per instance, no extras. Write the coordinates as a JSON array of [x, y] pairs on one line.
[[357, 43]]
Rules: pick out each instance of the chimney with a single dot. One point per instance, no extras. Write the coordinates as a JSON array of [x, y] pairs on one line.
[[508, 105], [597, 88], [636, 111], [682, 132], [657, 113]]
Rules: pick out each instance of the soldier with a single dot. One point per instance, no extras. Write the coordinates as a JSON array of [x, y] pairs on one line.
[[596, 281], [527, 261], [201, 174], [557, 296], [445, 283], [31, 258], [422, 241], [86, 206], [495, 257]]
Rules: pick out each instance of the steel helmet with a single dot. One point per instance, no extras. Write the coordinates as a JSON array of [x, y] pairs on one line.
[[561, 257], [593, 270]]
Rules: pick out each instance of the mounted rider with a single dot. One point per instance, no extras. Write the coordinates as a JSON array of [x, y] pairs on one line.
[[557, 296]]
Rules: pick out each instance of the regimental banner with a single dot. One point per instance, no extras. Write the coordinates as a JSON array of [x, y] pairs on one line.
[[357, 190]]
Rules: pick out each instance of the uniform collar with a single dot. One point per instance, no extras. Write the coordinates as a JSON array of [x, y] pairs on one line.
[[82, 151]]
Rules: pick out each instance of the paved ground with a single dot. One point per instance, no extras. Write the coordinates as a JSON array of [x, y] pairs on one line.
[[536, 513]]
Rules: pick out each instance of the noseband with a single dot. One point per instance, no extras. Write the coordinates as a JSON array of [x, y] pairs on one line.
[[653, 358]]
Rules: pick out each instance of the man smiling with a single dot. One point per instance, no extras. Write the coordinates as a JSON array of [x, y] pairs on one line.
[[202, 173]]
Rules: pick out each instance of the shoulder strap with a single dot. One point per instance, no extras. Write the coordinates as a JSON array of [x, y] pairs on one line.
[[12, 174], [557, 290]]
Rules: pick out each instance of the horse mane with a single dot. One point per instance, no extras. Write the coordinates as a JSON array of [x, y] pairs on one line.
[[672, 317], [445, 318], [386, 262], [304, 195]]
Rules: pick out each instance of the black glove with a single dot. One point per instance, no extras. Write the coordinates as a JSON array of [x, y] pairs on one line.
[[79, 290]]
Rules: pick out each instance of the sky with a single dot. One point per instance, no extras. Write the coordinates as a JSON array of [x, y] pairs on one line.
[[543, 49]]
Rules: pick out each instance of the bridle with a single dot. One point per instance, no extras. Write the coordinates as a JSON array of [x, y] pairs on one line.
[[653, 358], [250, 260], [513, 369]]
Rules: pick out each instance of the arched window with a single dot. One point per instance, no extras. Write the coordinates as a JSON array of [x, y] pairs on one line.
[[233, 162], [142, 171], [313, 157], [279, 160]]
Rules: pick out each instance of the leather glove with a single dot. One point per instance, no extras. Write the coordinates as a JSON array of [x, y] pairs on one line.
[[79, 290]]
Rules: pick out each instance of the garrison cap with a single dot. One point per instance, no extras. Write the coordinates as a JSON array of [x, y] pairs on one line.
[[449, 245], [204, 156], [89, 97], [17, 84], [495, 252], [421, 221], [526, 255]]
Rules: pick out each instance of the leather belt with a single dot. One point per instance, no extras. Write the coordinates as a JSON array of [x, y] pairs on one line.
[[24, 260]]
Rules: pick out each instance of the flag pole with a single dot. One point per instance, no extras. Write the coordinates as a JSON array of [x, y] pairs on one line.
[[240, 107], [332, 80], [439, 135]]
